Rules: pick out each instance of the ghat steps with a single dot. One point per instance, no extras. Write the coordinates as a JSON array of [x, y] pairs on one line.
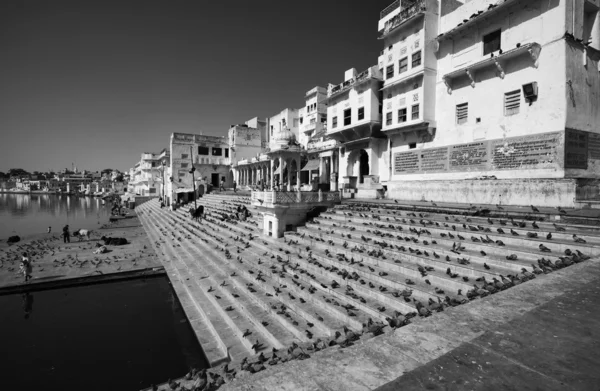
[[384, 246]]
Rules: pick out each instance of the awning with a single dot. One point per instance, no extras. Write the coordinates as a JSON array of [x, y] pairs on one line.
[[312, 164], [184, 190]]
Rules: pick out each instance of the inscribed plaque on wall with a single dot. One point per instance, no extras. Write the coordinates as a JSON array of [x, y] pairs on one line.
[[594, 146], [576, 149], [406, 162], [536, 151], [469, 157]]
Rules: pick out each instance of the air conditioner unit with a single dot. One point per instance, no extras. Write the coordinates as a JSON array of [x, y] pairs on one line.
[[530, 91]]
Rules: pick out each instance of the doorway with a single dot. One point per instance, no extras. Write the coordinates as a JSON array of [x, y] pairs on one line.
[[363, 165], [214, 180]]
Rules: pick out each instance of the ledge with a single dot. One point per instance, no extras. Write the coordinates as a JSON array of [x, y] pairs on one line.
[[533, 49]]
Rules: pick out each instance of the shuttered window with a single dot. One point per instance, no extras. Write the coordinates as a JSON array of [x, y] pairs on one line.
[[403, 65], [462, 113], [388, 119], [415, 112], [402, 115], [512, 102]]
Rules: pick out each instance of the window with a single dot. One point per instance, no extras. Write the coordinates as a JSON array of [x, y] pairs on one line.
[[512, 102], [184, 155], [184, 165], [347, 117], [202, 150], [415, 112], [153, 164], [462, 113], [403, 65], [334, 122], [388, 119], [416, 59], [402, 115], [361, 113], [389, 72], [295, 122], [491, 42], [323, 118], [313, 121], [412, 145], [301, 120], [227, 152], [217, 151]]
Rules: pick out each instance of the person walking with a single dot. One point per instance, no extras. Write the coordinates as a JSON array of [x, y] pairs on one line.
[[66, 234], [222, 188], [234, 186], [25, 267], [49, 229]]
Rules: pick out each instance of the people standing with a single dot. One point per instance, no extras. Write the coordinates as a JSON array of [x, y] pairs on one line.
[[66, 234], [25, 267], [49, 229], [234, 186], [222, 188]]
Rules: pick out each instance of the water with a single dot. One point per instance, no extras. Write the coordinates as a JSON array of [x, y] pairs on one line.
[[24, 214], [114, 336]]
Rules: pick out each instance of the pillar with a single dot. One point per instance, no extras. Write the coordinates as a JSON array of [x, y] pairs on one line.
[[321, 169], [272, 162], [298, 168], [288, 164], [333, 177]]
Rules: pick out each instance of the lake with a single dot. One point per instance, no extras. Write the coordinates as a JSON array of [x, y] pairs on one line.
[[24, 214], [113, 336]]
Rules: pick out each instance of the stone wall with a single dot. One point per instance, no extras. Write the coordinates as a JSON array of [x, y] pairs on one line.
[[541, 192]]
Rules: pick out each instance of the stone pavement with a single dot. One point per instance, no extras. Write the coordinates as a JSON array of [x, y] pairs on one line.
[[56, 263], [542, 335]]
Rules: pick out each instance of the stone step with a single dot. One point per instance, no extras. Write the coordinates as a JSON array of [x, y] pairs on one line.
[[298, 292], [206, 263], [339, 296], [216, 307], [459, 219], [211, 339], [398, 273], [521, 241], [306, 312]]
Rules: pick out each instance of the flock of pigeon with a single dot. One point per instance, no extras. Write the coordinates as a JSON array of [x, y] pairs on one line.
[[346, 267]]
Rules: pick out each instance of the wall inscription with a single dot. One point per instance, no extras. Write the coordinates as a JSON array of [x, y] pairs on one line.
[[594, 146], [576, 149], [537, 151]]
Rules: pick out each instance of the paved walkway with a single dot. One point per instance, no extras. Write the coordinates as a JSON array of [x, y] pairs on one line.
[[55, 263], [542, 335]]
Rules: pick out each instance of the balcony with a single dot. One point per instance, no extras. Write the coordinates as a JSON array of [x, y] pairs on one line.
[[499, 61], [355, 81], [318, 146], [408, 13], [389, 9]]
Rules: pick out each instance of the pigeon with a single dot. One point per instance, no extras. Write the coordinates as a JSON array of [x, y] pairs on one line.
[[533, 208]]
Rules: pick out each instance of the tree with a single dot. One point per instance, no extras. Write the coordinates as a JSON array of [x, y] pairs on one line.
[[3, 175], [119, 178], [106, 171], [17, 172]]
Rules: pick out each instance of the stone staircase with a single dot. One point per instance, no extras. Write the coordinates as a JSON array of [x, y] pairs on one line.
[[239, 287]]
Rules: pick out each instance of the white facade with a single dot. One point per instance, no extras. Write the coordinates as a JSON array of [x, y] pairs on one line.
[[286, 121], [313, 116]]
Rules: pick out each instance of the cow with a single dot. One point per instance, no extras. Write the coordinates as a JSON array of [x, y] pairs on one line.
[[82, 233], [197, 213]]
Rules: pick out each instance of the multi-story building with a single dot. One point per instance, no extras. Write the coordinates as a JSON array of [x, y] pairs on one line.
[[408, 62], [145, 176], [208, 155], [354, 120], [517, 103], [313, 116]]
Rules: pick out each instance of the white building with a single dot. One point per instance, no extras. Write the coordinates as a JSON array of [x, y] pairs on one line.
[[354, 120], [517, 102], [145, 178]]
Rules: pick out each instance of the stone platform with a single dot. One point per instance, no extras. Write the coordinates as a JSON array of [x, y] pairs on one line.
[[58, 264], [240, 287]]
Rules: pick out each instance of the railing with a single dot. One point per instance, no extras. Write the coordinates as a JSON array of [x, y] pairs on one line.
[[413, 9], [387, 10], [293, 197], [349, 83]]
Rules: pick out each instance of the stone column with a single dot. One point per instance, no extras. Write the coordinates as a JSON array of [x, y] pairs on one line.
[[333, 177], [272, 162], [288, 164], [321, 169], [298, 168]]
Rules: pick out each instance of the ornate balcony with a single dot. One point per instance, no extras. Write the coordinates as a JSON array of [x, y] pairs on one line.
[[360, 78], [388, 10], [411, 11]]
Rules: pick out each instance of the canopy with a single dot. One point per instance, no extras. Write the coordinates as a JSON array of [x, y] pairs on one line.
[[184, 190], [312, 164]]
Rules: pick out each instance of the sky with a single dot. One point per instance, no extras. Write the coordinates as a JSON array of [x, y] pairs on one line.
[[96, 83]]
